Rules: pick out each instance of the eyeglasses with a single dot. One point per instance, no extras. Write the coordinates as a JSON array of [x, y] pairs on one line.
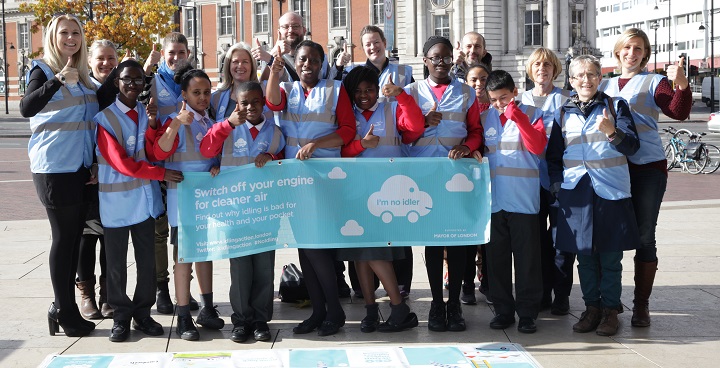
[[589, 76], [435, 60], [129, 81], [285, 27]]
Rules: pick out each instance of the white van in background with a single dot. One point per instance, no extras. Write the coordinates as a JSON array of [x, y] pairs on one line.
[[706, 90]]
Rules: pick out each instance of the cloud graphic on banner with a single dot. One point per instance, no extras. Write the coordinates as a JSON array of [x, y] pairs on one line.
[[337, 173], [459, 183], [399, 196], [352, 228]]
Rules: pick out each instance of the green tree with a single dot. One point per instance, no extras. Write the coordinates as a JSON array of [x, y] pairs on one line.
[[130, 24]]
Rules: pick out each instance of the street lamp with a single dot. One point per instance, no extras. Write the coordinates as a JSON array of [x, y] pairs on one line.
[[568, 59], [654, 26], [4, 66], [22, 72]]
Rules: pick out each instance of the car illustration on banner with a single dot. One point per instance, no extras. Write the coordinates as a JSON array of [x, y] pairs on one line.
[[399, 196]]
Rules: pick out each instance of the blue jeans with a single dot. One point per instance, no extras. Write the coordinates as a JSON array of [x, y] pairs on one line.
[[601, 279], [647, 189]]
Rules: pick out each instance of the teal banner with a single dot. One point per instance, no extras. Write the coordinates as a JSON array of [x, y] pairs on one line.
[[333, 203]]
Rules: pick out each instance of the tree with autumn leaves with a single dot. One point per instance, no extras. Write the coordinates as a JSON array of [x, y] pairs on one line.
[[130, 24]]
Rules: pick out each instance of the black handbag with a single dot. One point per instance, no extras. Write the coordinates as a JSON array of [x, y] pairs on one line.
[[292, 285]]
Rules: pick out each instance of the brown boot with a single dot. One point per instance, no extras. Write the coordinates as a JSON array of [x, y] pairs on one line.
[[105, 309], [589, 320], [609, 324], [88, 308], [644, 278]]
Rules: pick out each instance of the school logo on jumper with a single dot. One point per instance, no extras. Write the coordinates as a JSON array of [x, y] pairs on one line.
[[131, 142], [399, 196]]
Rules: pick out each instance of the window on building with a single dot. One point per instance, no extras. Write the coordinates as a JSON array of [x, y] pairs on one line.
[[339, 13], [440, 3], [226, 20], [615, 8], [378, 12], [23, 36], [442, 25], [533, 28], [576, 27], [626, 5], [189, 22], [262, 22], [301, 7]]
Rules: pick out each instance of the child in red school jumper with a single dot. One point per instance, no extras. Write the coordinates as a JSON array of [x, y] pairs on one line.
[[396, 122], [129, 201], [178, 144], [514, 137], [251, 277], [453, 130]]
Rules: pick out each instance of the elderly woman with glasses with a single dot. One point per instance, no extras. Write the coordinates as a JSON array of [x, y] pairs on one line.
[[591, 137]]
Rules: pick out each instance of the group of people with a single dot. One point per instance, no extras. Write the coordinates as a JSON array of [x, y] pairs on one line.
[[574, 175]]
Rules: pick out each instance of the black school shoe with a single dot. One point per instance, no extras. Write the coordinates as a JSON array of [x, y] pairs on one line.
[[262, 331], [501, 322], [527, 325], [328, 328], [240, 332], [411, 321], [148, 326], [186, 328]]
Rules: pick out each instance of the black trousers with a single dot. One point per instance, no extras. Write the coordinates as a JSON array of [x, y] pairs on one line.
[[66, 224], [319, 273], [116, 249]]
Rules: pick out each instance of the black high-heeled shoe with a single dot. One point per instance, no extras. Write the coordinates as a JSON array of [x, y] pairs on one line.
[[73, 326]]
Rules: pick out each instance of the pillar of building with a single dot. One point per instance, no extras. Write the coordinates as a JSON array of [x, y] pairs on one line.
[[552, 17], [424, 22], [564, 30], [512, 25], [590, 24]]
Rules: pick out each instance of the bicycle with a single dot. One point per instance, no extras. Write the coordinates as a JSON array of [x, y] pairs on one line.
[[692, 156], [713, 152]]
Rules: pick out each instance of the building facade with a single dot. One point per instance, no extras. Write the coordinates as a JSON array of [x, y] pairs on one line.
[[673, 27], [512, 28]]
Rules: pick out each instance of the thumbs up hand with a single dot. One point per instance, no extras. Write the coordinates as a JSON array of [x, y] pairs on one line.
[[676, 73], [370, 140], [184, 117], [152, 110], [283, 46], [237, 117], [152, 60], [460, 58], [345, 56], [259, 53], [390, 89], [69, 74], [604, 124], [128, 56], [432, 118], [278, 63]]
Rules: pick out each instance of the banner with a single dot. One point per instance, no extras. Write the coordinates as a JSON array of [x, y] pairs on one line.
[[333, 203]]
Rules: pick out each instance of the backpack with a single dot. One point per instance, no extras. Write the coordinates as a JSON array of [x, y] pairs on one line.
[[292, 285]]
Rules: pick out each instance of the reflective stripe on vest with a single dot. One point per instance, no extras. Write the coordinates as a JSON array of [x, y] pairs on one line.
[[269, 135], [437, 141], [306, 119], [63, 132], [588, 151], [514, 171], [639, 92]]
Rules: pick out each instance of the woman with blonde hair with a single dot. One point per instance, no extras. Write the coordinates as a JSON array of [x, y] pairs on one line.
[[239, 66], [647, 94], [61, 102], [543, 67]]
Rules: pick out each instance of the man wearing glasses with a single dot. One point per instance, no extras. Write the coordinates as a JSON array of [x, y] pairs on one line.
[[290, 33]]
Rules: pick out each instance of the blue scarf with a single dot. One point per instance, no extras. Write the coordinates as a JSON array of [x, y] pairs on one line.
[[168, 75]]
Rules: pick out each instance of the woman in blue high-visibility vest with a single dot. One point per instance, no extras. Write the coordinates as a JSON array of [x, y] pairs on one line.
[[60, 101]]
